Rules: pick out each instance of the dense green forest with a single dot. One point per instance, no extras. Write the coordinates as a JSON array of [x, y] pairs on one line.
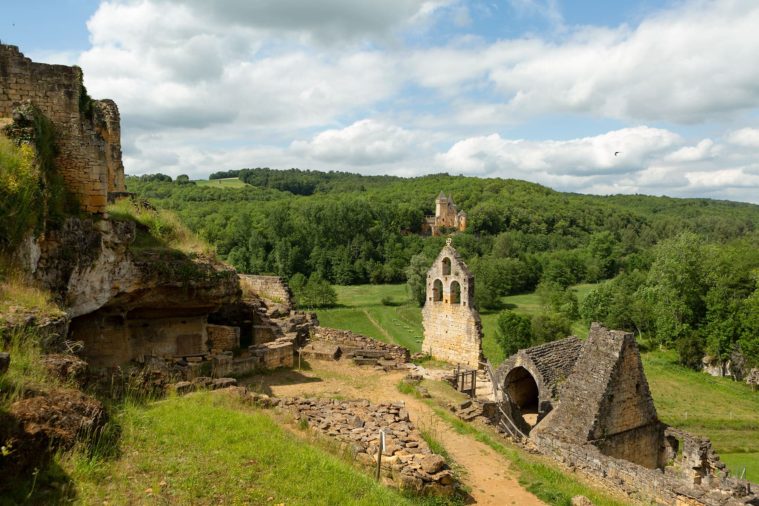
[[682, 271]]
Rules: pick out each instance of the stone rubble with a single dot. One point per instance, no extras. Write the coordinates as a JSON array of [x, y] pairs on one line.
[[407, 461]]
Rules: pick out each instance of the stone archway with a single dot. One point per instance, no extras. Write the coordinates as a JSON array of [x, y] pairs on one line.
[[523, 391], [455, 292], [437, 291]]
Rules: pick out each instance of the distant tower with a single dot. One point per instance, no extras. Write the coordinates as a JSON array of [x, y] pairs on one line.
[[441, 205], [452, 326]]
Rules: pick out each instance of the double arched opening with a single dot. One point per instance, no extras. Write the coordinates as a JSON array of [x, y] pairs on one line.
[[523, 392], [454, 292]]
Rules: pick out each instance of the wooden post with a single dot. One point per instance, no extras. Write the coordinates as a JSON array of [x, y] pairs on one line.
[[380, 450]]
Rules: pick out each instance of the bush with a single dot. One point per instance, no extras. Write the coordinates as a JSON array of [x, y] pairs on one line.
[[513, 332], [316, 292], [549, 327], [690, 350], [20, 192]]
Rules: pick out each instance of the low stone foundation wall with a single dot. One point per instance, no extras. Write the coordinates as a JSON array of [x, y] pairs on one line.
[[275, 354], [670, 486], [407, 462], [350, 342]]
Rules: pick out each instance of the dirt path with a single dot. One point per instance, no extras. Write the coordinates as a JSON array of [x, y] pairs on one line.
[[486, 472]]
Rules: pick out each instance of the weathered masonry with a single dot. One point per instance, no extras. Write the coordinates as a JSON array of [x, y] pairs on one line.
[[588, 404], [447, 217], [89, 133], [452, 327]]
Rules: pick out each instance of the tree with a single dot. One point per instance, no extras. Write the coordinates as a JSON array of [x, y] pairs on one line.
[[547, 327], [513, 332], [416, 278], [314, 292], [675, 287]]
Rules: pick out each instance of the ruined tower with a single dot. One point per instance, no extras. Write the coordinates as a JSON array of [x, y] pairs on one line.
[[452, 327], [88, 132]]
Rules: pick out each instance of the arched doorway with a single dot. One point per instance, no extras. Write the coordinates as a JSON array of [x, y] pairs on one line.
[[437, 291], [522, 389]]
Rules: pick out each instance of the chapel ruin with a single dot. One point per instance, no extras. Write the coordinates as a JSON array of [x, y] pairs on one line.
[[452, 327], [588, 405]]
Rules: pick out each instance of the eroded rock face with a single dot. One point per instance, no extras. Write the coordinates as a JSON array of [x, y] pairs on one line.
[[33, 429], [129, 303]]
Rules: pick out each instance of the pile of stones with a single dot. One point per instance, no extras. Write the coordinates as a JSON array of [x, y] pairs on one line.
[[407, 461]]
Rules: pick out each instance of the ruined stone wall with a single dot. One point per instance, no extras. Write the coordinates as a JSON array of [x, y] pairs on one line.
[[407, 461], [452, 326], [110, 339], [349, 342], [89, 142], [272, 288], [275, 354], [674, 486], [222, 338]]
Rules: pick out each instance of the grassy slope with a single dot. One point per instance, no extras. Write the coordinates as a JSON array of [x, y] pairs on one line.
[[209, 449], [725, 411], [231, 182]]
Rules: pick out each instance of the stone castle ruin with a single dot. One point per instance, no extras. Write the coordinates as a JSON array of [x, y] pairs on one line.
[[452, 326], [447, 217], [588, 404], [88, 131]]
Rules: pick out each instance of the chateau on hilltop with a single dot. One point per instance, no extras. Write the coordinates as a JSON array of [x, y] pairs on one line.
[[447, 216], [88, 135], [452, 327]]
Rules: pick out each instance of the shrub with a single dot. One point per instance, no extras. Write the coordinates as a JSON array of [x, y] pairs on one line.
[[513, 332]]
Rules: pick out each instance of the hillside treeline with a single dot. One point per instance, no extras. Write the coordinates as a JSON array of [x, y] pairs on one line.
[[352, 229]]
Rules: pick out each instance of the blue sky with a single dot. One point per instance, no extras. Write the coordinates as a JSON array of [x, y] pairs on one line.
[[540, 90]]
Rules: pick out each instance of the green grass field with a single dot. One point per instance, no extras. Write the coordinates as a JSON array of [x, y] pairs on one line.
[[724, 410], [231, 182], [210, 449]]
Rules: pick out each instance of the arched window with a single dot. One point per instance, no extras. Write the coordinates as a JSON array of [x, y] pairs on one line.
[[455, 293], [437, 291], [446, 266]]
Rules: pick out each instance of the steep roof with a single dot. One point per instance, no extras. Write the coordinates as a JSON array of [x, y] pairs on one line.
[[555, 360], [441, 196], [607, 392]]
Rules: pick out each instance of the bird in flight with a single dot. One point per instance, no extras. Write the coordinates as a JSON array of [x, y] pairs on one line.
[[616, 153]]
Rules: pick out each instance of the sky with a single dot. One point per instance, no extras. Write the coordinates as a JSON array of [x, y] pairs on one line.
[[646, 97]]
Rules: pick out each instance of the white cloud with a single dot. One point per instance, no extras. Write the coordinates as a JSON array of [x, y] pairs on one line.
[[690, 64], [748, 137], [204, 86], [650, 160], [493, 155], [365, 142]]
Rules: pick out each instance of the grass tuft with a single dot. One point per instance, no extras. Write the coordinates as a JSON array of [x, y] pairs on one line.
[[164, 228]]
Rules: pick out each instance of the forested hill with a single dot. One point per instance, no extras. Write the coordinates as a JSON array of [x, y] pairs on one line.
[[355, 229]]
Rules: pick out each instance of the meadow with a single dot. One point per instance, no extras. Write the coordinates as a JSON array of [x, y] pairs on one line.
[[721, 409], [226, 183]]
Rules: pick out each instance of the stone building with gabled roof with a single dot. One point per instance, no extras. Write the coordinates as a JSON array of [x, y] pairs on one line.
[[452, 326], [588, 404]]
